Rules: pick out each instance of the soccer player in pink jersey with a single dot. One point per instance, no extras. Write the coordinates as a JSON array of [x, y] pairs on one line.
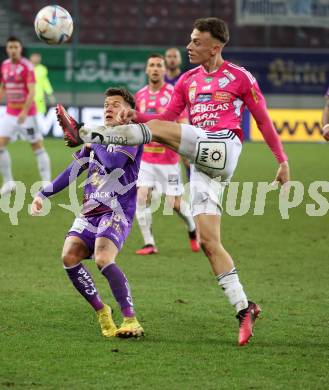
[[18, 84], [215, 94], [325, 117], [160, 168]]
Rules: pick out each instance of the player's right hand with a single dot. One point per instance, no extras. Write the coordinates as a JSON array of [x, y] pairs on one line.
[[283, 173], [126, 115], [36, 206], [325, 132]]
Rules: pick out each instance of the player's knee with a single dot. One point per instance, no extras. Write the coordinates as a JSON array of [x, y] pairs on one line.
[[209, 245], [37, 146], [177, 203], [70, 259], [142, 197], [102, 260]]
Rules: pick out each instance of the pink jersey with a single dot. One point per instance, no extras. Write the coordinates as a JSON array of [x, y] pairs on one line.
[[216, 101], [155, 103], [15, 78]]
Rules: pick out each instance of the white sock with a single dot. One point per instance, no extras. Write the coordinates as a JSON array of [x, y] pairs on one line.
[[233, 289], [5, 165], [188, 219], [144, 219], [43, 164], [131, 134]]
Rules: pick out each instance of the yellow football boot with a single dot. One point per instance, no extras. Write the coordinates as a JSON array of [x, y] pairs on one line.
[[106, 322], [130, 328]]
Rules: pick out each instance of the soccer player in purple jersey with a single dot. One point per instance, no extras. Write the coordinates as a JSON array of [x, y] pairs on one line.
[[105, 221], [173, 60], [325, 117], [215, 94]]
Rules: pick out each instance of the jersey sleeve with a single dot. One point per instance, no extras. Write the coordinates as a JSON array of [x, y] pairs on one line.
[[173, 109], [81, 157], [255, 101]]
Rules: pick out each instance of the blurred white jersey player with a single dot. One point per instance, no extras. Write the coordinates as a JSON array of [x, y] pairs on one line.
[[160, 169], [18, 85]]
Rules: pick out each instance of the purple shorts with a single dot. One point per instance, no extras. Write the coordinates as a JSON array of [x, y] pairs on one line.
[[108, 225]]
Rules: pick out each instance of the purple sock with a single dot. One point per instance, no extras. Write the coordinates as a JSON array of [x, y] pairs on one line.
[[120, 288], [83, 282]]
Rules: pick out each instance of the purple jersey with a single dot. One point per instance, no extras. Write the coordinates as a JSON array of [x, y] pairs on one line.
[[172, 81], [111, 179]]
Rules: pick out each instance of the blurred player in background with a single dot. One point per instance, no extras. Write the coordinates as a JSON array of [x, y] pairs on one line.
[[108, 210], [325, 117], [173, 60], [160, 168], [43, 88], [216, 94], [18, 84]]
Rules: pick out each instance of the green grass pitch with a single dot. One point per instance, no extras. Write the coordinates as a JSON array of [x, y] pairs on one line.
[[49, 337]]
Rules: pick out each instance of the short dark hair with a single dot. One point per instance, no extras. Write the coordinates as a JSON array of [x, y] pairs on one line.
[[123, 92], [216, 27], [14, 39], [156, 55]]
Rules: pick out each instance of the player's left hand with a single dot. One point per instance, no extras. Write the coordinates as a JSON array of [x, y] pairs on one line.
[[283, 173], [325, 132], [21, 117]]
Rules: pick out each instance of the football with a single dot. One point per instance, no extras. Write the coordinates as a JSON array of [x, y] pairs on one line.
[[53, 25]]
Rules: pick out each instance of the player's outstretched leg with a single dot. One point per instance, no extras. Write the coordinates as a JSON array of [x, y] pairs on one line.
[[168, 133], [69, 126], [76, 134]]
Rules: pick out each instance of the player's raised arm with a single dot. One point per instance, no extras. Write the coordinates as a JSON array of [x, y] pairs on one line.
[[63, 180], [256, 104]]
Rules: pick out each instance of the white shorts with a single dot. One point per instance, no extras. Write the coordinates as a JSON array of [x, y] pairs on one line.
[[214, 156], [214, 153], [27, 131], [164, 178], [206, 194]]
